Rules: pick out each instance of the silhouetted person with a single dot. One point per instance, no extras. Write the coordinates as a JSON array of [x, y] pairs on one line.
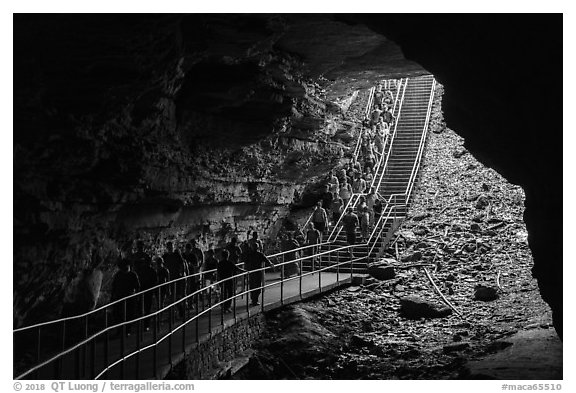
[[198, 252], [209, 271], [256, 260], [255, 241], [350, 223], [235, 255], [226, 270], [193, 283], [320, 217], [147, 275], [377, 209], [287, 244], [234, 250], [177, 268], [326, 198], [148, 279], [163, 277], [140, 257], [125, 283], [313, 236]]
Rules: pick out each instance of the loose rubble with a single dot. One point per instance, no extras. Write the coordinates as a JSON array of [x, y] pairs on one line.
[[465, 225]]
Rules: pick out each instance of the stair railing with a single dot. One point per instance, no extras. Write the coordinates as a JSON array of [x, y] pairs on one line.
[[157, 290]]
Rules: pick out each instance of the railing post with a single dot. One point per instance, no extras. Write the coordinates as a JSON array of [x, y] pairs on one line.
[[106, 338], [337, 268], [300, 279], [139, 335], [282, 285], [171, 323], [155, 334], [197, 334], [248, 293], [123, 338], [235, 286], [262, 283], [210, 309], [319, 280], [351, 264], [38, 344], [61, 368]]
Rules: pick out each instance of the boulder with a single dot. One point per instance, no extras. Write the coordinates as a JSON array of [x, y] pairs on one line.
[[412, 257], [455, 347], [414, 307], [482, 202], [459, 153], [485, 293], [421, 216], [381, 270]]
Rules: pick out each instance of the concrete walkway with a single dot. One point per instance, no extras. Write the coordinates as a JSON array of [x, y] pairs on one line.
[[157, 360]]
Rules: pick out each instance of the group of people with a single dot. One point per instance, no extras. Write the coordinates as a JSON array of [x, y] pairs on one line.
[[357, 177], [196, 269]]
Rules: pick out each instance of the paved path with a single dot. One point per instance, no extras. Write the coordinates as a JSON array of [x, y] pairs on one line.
[[157, 361]]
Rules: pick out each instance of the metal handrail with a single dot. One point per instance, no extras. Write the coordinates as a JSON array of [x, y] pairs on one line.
[[393, 134], [336, 229], [201, 290], [407, 193]]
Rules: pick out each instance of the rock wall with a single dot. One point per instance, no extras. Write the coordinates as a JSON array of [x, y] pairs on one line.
[[217, 356], [119, 114]]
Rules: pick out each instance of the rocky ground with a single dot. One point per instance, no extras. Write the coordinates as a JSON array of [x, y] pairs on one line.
[[465, 227]]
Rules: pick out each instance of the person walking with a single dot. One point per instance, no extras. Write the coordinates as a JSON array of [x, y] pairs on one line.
[[313, 238], [226, 271], [125, 283], [350, 223], [320, 218], [345, 192], [163, 275], [255, 261], [177, 268], [192, 283]]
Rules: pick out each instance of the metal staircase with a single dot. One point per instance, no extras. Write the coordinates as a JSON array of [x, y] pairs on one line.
[[395, 179]]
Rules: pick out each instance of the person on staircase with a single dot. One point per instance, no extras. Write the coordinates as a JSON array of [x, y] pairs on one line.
[[388, 116], [359, 184], [378, 95], [370, 201], [364, 222], [369, 177], [333, 183], [375, 115], [350, 223], [336, 208], [255, 261], [345, 192], [320, 218], [326, 199], [377, 209]]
